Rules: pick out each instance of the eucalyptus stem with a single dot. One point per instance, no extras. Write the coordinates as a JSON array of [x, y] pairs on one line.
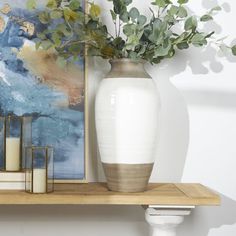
[[115, 24], [120, 24], [111, 35], [70, 43], [163, 10], [159, 12]]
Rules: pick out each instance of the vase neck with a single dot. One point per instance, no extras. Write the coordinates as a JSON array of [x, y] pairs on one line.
[[127, 68]]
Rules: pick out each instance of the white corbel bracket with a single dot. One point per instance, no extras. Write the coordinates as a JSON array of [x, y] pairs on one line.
[[164, 220]]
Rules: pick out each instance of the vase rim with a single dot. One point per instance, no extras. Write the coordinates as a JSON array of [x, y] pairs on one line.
[[127, 68]]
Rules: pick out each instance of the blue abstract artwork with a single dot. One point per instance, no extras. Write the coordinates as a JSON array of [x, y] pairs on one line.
[[31, 83]]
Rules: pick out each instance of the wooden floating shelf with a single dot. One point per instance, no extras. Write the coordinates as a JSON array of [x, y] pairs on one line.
[[97, 194]]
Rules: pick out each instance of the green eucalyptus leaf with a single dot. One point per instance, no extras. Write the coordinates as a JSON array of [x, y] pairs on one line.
[[132, 42], [56, 39], [173, 10], [158, 33], [119, 7], [133, 55], [170, 19], [155, 60], [142, 19], [182, 1], [62, 28], [168, 2], [182, 12], [168, 34], [198, 40], [92, 24], [140, 33], [206, 17], [159, 3], [44, 17], [181, 38], [31, 4], [191, 23], [124, 17], [129, 29], [95, 10], [234, 50], [70, 15], [127, 2], [119, 43], [216, 8], [134, 13], [52, 4], [113, 15], [155, 35], [171, 53], [74, 5], [46, 44], [183, 45], [157, 24], [75, 49], [56, 14], [108, 51], [163, 50], [41, 36], [142, 49]]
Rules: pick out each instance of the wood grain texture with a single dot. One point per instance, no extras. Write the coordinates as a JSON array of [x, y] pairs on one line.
[[98, 194]]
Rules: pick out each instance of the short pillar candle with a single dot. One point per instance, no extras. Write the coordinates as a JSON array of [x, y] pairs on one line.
[[39, 172]]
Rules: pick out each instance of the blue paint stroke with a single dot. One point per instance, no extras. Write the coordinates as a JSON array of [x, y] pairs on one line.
[[21, 93]]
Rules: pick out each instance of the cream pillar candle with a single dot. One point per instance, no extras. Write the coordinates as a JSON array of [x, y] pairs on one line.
[[12, 154], [39, 181]]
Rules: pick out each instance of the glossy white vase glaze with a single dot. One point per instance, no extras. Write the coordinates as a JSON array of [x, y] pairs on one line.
[[127, 115]]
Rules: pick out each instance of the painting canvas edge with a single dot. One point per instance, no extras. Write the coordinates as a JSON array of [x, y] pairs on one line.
[[86, 128]]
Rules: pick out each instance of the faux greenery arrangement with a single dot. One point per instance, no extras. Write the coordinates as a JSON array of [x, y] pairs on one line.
[[69, 28]]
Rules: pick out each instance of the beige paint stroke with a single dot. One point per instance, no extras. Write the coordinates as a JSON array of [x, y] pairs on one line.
[[2, 24], [28, 28], [69, 80], [5, 9]]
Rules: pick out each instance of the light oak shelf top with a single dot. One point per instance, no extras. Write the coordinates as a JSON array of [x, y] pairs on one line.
[[97, 194]]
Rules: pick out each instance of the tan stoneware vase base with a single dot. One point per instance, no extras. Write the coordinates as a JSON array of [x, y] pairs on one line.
[[127, 177]]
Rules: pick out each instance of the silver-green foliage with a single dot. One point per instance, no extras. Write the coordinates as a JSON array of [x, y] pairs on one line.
[[136, 37]]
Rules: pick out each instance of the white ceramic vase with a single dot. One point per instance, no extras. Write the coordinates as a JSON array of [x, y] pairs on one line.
[[127, 115]]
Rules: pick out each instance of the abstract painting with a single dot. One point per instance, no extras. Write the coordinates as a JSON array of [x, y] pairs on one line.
[[32, 83]]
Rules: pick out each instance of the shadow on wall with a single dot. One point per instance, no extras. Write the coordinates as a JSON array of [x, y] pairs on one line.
[[174, 116], [205, 219], [213, 99]]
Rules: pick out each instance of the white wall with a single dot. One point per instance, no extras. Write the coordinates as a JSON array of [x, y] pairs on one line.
[[205, 85]]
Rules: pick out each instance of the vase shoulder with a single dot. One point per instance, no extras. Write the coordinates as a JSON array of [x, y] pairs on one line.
[[126, 68]]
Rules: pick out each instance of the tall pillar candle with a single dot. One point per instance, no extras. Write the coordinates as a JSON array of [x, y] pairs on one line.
[[12, 154], [39, 181]]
